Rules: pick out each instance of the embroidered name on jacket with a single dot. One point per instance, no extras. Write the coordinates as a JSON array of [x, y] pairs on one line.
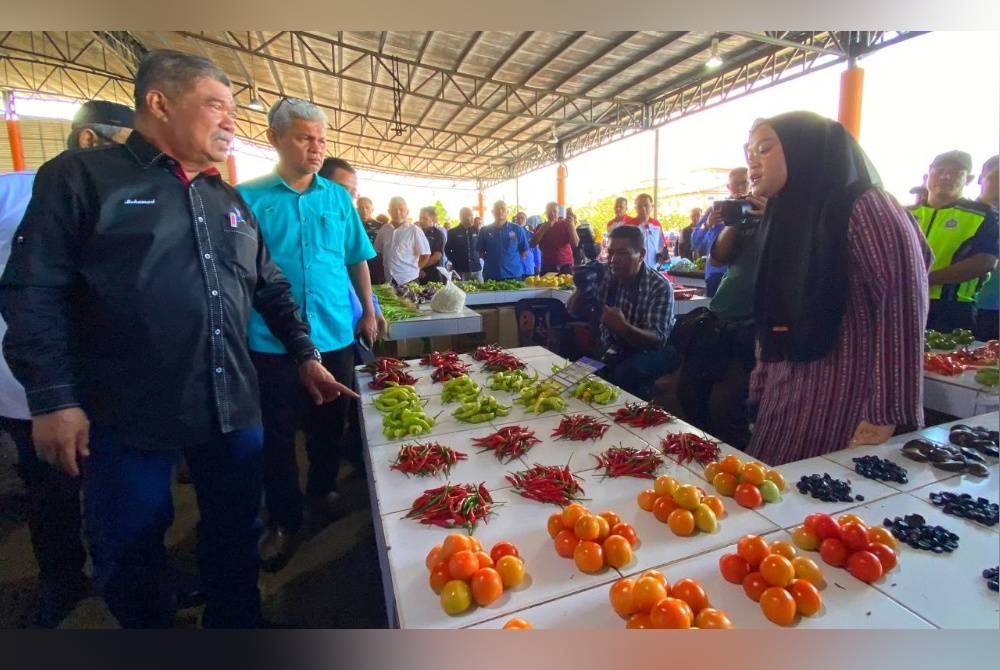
[[135, 201]]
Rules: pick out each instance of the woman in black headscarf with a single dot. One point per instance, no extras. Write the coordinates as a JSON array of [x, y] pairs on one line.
[[841, 295]]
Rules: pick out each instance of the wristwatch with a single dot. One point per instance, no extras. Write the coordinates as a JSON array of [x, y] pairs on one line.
[[310, 355]]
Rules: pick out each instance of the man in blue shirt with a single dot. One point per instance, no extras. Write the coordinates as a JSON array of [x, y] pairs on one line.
[[314, 233], [531, 263], [711, 225], [503, 245]]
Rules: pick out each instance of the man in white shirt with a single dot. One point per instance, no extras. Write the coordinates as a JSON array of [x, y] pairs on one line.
[[402, 245], [652, 232]]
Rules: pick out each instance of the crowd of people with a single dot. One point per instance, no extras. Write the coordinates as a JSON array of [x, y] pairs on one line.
[[155, 313]]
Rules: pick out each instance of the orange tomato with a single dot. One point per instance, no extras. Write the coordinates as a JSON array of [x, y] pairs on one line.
[[605, 528], [646, 500], [571, 513], [753, 473], [588, 556], [511, 569], [555, 524], [715, 504], [665, 485], [627, 531], [711, 470], [639, 621], [671, 613], [808, 601], [622, 597], [681, 522], [807, 569], [754, 585], [778, 605], [617, 551], [883, 536], [734, 568], [474, 544], [777, 478], [662, 508], [845, 519], [439, 576], [463, 564], [752, 549], [777, 570], [566, 543], [587, 527], [748, 495], [854, 535], [484, 559], [711, 618], [517, 624], [730, 464], [805, 538], [453, 543], [647, 592], [725, 483], [612, 518], [783, 548], [658, 576], [433, 557], [486, 586], [687, 496], [690, 591]]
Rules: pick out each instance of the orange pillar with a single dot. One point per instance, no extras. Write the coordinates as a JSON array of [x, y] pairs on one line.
[[481, 207], [561, 187], [851, 86], [231, 167], [14, 134]]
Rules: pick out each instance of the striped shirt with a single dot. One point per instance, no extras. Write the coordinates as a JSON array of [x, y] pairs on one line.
[[647, 303], [875, 372]]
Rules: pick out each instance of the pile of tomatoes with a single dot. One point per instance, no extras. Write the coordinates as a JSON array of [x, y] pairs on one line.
[[518, 623], [848, 542], [752, 484], [462, 572], [651, 602], [683, 507], [784, 584], [592, 540]]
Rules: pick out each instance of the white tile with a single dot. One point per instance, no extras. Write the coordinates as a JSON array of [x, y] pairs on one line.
[[978, 487]]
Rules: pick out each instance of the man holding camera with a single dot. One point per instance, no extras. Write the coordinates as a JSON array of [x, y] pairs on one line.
[[711, 225], [636, 312]]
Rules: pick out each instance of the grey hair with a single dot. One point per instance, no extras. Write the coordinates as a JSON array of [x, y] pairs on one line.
[[397, 200], [104, 131], [173, 72], [284, 112]]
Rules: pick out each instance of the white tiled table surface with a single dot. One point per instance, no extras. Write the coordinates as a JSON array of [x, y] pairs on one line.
[[917, 594]]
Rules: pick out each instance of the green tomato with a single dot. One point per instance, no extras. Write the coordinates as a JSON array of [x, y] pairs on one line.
[[769, 491]]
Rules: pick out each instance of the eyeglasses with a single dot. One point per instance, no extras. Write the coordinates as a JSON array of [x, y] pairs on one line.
[[291, 102]]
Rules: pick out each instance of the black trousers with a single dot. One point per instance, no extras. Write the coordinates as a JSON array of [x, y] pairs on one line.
[[946, 315], [285, 408], [987, 325], [54, 518]]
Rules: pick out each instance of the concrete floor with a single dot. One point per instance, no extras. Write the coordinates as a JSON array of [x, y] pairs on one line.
[[333, 581]]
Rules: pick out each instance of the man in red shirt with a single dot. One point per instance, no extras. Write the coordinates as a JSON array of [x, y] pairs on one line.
[[621, 214], [556, 239]]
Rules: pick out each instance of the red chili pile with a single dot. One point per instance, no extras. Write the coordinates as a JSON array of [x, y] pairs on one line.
[[448, 371], [388, 372], [426, 459], [438, 358], [980, 356], [629, 462], [638, 415], [508, 443], [497, 359], [689, 447], [453, 505], [943, 364], [547, 484], [581, 427]]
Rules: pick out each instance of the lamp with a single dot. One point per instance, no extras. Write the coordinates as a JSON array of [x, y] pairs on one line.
[[256, 104], [715, 60], [553, 139]]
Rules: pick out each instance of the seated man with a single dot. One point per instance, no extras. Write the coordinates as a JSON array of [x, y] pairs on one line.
[[637, 311]]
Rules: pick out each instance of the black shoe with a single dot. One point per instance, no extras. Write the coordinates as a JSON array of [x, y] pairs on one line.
[[328, 506], [277, 547], [56, 600]]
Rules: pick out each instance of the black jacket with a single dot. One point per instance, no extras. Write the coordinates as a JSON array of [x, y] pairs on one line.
[[128, 292], [461, 249]]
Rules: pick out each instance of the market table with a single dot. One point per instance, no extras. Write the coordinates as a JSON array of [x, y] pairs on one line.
[[959, 395], [432, 324], [925, 591]]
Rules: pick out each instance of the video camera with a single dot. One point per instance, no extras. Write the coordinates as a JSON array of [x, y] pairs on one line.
[[737, 212]]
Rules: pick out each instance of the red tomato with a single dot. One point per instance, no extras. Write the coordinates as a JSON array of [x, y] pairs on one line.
[[886, 555], [671, 613], [864, 565], [827, 527], [690, 592], [627, 531], [501, 549], [566, 543], [734, 568], [752, 549], [486, 586], [754, 585], [834, 552], [811, 519], [748, 495], [855, 535]]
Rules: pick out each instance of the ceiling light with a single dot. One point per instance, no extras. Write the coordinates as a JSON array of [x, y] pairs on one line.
[[552, 138], [715, 60], [256, 104]]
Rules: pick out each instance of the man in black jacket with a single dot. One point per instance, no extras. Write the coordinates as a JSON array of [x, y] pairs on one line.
[[127, 296]]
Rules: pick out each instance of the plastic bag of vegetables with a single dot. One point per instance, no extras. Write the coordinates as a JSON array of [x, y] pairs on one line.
[[449, 300]]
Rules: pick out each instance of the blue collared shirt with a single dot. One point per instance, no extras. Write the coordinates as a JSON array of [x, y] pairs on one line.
[[15, 192], [702, 241], [312, 236], [502, 246]]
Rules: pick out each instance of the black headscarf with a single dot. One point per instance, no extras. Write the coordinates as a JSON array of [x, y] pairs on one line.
[[802, 284]]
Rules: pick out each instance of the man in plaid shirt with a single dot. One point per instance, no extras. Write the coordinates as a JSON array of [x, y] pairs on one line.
[[637, 314]]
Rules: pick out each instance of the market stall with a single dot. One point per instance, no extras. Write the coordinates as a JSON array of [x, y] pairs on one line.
[[921, 592]]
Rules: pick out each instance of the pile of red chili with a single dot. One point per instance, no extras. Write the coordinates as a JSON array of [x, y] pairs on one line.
[[547, 484], [581, 427], [629, 462], [638, 415], [689, 447], [943, 364], [508, 443], [980, 356], [388, 372], [438, 358], [452, 506], [426, 459], [496, 359]]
